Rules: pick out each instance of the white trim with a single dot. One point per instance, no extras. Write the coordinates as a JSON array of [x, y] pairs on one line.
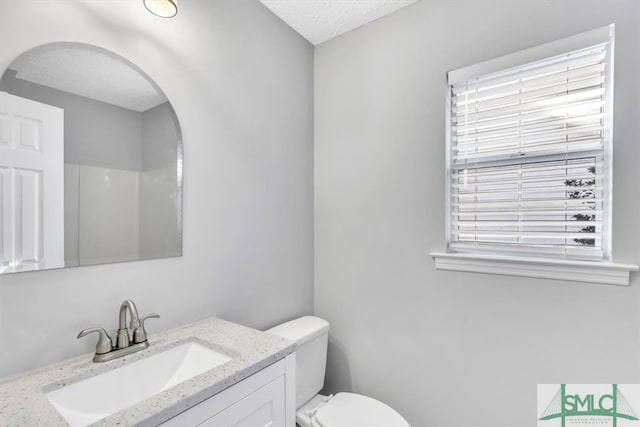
[[290, 390], [448, 166], [607, 176], [537, 53], [606, 273]]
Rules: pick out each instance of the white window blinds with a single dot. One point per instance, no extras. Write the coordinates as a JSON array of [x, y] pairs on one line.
[[528, 157]]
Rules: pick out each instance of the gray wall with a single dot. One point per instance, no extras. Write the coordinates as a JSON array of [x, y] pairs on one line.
[[159, 136], [95, 133], [159, 192], [240, 81], [447, 348]]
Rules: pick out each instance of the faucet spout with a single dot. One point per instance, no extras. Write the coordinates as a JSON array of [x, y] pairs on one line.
[[128, 305], [122, 337]]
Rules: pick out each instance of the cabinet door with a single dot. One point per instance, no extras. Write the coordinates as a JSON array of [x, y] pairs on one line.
[[262, 408], [266, 398]]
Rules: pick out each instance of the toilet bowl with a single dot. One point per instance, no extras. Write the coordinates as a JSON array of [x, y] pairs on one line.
[[311, 335], [347, 410]]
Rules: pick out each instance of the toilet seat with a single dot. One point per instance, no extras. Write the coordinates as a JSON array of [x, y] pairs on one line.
[[356, 410]]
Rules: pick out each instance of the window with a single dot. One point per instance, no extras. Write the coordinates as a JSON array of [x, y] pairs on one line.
[[529, 152]]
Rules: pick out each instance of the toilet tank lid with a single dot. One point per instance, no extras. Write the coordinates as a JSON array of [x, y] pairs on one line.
[[301, 330]]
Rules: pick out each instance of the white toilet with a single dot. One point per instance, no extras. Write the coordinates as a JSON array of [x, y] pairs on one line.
[[311, 335]]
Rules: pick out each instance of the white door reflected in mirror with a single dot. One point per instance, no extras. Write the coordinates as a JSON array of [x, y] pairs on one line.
[[31, 184]]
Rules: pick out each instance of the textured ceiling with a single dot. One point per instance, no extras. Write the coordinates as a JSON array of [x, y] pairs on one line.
[[321, 20], [88, 72]]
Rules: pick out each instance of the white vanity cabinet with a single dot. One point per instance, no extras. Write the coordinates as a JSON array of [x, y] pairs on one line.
[[266, 398]]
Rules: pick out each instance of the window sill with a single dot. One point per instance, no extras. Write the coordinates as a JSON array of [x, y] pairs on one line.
[[580, 271]]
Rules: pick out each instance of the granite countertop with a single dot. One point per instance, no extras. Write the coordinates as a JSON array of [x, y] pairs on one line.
[[23, 401]]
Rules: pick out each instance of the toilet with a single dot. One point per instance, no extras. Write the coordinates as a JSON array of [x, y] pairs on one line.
[[311, 335]]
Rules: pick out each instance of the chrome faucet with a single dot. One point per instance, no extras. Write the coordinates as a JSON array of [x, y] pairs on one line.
[[105, 350]]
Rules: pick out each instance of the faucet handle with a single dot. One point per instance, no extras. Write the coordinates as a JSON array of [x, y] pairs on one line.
[[104, 344], [140, 334]]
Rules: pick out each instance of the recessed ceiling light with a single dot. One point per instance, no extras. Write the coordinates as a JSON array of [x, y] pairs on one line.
[[162, 8]]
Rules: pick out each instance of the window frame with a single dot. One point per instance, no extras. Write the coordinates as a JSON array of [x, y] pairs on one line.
[[522, 58], [600, 272]]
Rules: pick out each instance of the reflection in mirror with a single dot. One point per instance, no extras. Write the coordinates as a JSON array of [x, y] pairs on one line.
[[90, 162]]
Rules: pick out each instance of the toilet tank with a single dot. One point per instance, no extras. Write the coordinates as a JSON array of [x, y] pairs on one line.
[[311, 335]]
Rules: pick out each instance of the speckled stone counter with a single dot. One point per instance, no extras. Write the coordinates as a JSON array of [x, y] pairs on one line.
[[23, 401]]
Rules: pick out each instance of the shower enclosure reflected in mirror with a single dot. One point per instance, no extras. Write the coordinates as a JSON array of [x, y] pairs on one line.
[[90, 162]]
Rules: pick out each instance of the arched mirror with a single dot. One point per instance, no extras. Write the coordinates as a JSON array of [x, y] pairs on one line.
[[90, 162]]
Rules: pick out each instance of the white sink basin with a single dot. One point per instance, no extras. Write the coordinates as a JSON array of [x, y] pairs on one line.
[[90, 400]]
